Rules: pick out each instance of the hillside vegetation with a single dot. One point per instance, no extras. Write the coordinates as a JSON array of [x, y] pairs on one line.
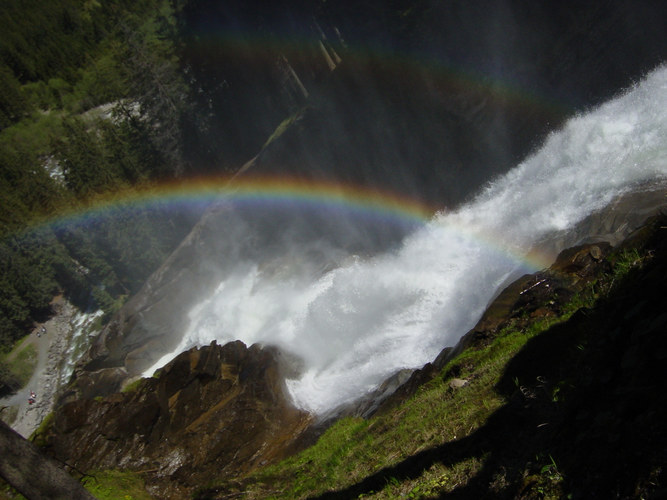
[[91, 105]]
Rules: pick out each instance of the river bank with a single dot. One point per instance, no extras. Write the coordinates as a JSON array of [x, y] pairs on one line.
[[54, 346]]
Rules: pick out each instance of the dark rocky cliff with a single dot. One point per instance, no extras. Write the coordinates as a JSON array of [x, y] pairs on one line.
[[217, 411]]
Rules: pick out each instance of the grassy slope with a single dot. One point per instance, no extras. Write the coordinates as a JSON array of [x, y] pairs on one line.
[[527, 424], [116, 485], [103, 485]]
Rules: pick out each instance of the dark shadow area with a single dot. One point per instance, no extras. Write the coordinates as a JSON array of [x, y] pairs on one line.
[[427, 99], [585, 415]]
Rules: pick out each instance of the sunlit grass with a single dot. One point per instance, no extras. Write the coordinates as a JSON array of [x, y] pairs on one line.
[[22, 362], [116, 485]]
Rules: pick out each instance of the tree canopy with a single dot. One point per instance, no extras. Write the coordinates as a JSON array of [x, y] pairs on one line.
[[92, 102]]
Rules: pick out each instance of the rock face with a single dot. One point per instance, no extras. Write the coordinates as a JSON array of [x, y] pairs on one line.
[[216, 411]]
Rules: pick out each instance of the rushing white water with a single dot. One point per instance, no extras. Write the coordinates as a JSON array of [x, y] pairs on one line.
[[358, 323], [82, 327]]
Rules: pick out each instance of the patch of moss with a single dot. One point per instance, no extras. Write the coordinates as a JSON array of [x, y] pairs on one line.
[[133, 386], [39, 436], [116, 485]]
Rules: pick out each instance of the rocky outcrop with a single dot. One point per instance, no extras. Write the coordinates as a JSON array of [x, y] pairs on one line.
[[613, 223], [217, 411]]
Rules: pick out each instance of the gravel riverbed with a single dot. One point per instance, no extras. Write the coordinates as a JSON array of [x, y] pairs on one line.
[[51, 347]]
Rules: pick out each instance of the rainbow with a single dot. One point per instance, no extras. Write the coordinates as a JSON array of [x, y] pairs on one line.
[[277, 193], [249, 194]]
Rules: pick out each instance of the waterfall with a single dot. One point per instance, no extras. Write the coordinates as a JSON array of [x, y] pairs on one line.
[[358, 321]]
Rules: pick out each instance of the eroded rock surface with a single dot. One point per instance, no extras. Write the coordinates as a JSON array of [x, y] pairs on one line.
[[216, 411]]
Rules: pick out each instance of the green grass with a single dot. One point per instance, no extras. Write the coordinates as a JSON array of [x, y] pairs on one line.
[[23, 364], [103, 485], [133, 386], [625, 261], [116, 485]]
